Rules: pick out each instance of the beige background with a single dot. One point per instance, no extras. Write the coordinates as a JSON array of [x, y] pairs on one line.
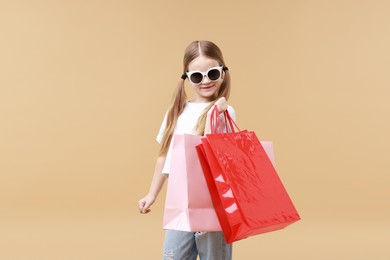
[[84, 86]]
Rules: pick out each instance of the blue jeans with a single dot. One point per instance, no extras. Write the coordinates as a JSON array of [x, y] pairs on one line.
[[182, 245]]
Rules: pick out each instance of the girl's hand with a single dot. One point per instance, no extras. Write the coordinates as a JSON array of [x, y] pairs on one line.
[[145, 203], [221, 104]]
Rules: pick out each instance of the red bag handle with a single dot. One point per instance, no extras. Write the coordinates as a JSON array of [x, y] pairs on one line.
[[216, 123]]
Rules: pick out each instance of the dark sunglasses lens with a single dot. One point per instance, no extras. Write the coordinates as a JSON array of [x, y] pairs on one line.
[[214, 74], [196, 77]]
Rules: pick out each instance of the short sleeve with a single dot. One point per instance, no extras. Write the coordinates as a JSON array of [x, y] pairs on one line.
[[162, 129]]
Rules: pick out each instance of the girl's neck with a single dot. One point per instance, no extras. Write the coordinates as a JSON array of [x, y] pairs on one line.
[[197, 100]]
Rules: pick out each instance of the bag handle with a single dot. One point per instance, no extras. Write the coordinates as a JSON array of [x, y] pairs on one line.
[[216, 123]]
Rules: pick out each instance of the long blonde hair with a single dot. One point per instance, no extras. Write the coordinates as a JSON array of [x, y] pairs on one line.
[[179, 99]]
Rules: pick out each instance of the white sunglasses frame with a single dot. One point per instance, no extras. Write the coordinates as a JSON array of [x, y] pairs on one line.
[[219, 68]]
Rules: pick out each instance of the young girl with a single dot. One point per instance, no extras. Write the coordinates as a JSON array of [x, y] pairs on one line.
[[206, 71]]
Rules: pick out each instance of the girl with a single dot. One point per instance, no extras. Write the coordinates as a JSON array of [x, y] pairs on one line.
[[205, 69]]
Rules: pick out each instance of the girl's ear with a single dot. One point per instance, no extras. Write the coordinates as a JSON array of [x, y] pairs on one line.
[[224, 69]]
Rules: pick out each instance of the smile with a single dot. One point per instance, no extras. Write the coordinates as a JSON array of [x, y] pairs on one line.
[[208, 87]]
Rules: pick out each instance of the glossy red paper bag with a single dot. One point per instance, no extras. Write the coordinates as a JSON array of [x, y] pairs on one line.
[[247, 193]]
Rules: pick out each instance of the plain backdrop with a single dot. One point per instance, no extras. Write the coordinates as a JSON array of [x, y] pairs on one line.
[[84, 86]]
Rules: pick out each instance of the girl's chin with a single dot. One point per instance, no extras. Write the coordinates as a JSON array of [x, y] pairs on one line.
[[206, 94]]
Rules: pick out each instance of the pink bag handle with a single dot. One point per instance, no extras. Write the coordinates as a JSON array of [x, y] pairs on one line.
[[216, 122]]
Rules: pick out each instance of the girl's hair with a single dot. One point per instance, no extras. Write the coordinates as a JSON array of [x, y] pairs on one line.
[[179, 99]]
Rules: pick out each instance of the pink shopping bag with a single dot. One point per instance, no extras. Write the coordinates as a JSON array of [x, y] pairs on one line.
[[188, 205]]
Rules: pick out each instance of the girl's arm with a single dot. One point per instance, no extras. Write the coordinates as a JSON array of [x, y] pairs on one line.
[[155, 187]]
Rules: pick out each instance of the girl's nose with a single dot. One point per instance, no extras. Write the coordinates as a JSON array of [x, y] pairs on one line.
[[205, 80]]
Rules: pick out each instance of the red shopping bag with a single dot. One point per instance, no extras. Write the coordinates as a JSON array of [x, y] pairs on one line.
[[188, 205], [247, 193]]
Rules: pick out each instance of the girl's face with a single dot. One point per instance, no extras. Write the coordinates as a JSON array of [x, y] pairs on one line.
[[207, 89]]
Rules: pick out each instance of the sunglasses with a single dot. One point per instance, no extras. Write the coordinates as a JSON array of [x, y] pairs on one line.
[[213, 74]]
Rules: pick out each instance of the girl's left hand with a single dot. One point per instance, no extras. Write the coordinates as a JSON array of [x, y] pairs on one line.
[[221, 104]]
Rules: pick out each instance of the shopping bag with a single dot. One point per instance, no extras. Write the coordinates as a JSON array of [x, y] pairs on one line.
[[188, 205], [247, 193]]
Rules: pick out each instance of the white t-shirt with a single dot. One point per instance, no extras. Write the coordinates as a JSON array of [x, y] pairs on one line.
[[186, 124]]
